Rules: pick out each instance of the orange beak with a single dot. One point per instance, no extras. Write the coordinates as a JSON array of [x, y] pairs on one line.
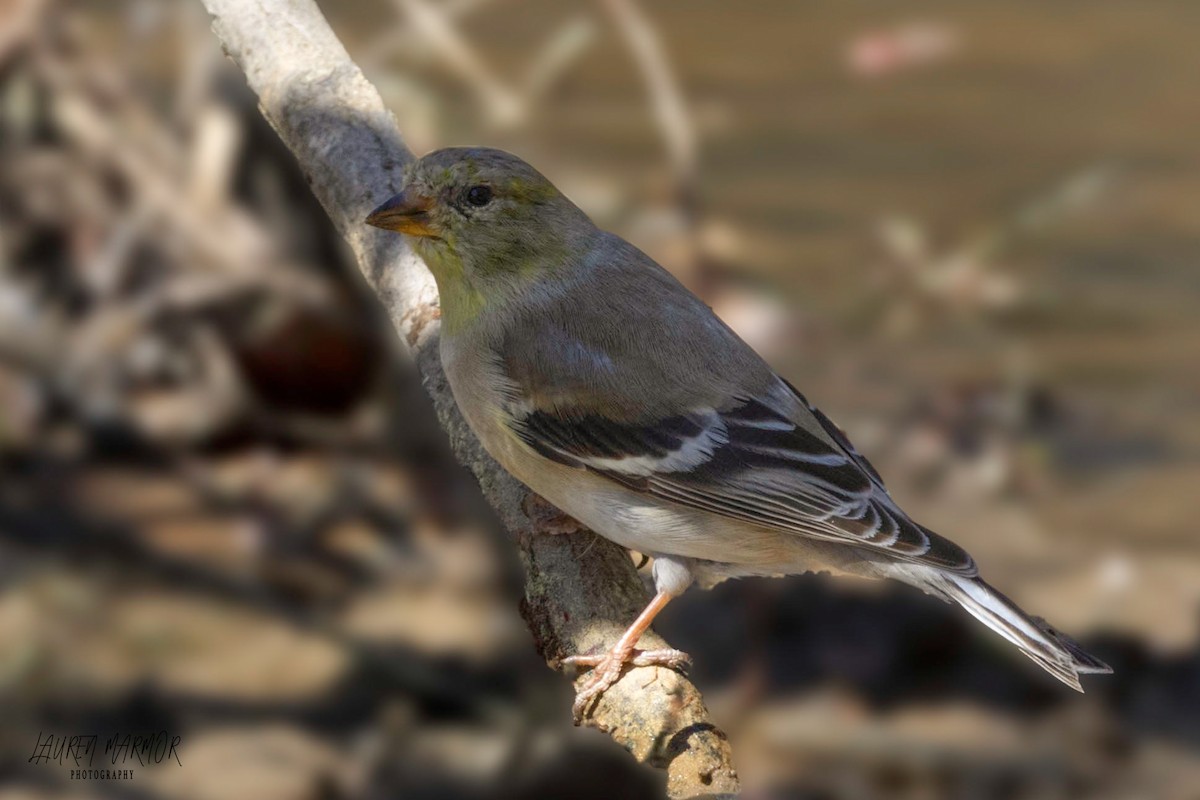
[[405, 213]]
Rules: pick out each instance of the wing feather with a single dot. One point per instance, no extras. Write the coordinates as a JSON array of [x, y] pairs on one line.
[[750, 462]]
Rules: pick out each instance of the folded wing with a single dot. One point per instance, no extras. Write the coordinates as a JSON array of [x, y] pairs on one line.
[[750, 462]]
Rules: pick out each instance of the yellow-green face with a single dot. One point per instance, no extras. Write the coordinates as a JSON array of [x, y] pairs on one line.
[[474, 203], [481, 219]]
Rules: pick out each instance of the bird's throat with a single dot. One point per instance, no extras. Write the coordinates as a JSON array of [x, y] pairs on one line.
[[461, 300]]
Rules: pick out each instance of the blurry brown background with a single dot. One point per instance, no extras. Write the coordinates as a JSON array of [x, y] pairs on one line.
[[969, 231]]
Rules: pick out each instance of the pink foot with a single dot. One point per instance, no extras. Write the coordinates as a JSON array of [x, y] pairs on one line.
[[607, 668]]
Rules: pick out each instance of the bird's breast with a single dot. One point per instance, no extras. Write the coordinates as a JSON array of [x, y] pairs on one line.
[[478, 384]]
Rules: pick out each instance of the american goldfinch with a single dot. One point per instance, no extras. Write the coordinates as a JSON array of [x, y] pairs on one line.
[[608, 388]]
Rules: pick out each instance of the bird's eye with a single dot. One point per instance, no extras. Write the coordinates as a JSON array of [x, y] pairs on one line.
[[479, 195]]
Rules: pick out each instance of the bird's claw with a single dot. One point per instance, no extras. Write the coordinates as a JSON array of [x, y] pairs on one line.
[[607, 669], [674, 659]]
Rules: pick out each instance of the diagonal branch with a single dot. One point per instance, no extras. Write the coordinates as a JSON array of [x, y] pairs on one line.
[[579, 591]]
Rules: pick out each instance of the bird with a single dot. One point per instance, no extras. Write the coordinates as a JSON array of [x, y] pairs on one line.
[[598, 380]]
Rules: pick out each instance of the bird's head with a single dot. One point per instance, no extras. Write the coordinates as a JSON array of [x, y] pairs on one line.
[[483, 221]]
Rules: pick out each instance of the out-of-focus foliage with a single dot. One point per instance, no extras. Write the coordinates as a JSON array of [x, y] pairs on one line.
[[966, 230]]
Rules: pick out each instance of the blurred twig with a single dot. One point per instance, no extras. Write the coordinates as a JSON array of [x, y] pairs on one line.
[[678, 132], [666, 99], [577, 595], [503, 106], [18, 19], [431, 33], [162, 268], [965, 277], [405, 39]]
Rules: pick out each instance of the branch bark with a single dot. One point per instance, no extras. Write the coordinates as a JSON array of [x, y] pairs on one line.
[[580, 591]]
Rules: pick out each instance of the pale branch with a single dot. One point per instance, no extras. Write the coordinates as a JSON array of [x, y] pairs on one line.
[[580, 591]]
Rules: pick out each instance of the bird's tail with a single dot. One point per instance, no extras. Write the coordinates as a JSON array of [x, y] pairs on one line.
[[1054, 651]]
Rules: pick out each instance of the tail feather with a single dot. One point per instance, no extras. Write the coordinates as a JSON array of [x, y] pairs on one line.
[[1054, 651]]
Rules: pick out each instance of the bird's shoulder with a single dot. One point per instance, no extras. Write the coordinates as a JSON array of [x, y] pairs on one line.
[[619, 335]]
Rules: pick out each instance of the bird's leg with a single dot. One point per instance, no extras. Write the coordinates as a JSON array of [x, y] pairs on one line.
[[606, 668]]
